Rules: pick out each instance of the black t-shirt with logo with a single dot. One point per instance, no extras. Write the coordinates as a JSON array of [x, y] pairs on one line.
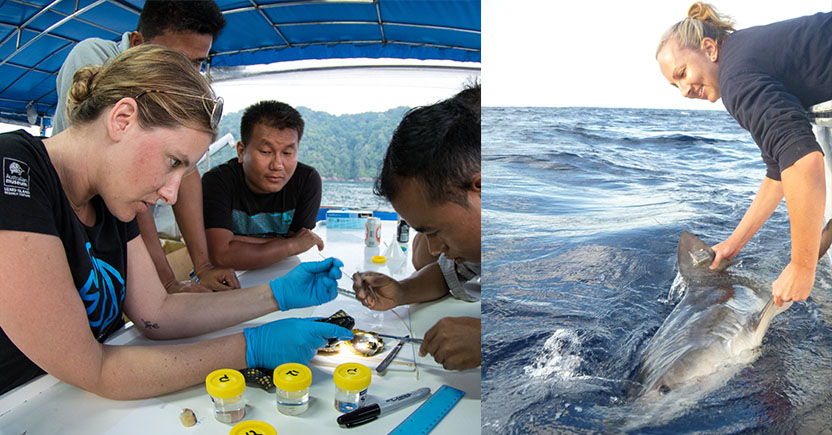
[[33, 200], [229, 203]]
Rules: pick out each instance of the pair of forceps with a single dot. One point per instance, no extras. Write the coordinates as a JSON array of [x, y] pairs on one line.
[[351, 294]]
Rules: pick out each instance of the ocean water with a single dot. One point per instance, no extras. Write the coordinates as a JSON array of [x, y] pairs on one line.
[[357, 195], [583, 209]]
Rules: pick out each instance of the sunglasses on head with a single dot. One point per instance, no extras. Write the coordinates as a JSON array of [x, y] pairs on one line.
[[215, 110]]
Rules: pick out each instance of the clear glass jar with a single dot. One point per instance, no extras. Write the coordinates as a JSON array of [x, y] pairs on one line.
[[349, 400], [352, 380], [226, 387], [230, 410], [292, 402], [292, 381]]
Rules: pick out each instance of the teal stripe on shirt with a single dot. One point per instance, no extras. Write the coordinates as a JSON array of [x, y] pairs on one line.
[[261, 224]]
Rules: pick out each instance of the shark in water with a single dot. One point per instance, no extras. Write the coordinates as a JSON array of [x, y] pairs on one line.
[[718, 323]]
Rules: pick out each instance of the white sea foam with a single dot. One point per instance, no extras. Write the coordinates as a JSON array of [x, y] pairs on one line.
[[559, 358], [677, 289]]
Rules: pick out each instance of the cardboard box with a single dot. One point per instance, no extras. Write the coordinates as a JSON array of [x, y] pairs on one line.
[[178, 258], [349, 219]]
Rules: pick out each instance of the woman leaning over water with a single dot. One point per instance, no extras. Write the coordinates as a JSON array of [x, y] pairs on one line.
[[766, 76], [72, 262]]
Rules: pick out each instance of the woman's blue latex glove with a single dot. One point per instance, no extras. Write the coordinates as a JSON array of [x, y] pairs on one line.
[[289, 340], [308, 284]]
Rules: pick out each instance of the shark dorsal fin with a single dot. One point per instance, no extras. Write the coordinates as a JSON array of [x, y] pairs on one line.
[[695, 257]]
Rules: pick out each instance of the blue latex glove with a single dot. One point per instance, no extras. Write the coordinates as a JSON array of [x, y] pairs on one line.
[[289, 340], [308, 284]]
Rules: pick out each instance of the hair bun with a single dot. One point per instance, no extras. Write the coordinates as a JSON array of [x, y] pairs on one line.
[[705, 12], [696, 11], [83, 84], [147, 66], [702, 21]]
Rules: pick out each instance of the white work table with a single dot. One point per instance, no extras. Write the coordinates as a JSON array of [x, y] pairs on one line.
[[48, 406]]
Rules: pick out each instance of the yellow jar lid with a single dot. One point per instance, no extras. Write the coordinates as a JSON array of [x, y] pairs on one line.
[[225, 383], [292, 377], [352, 376], [379, 259], [253, 426]]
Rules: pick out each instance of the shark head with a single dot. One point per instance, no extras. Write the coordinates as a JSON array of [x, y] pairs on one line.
[[695, 257]]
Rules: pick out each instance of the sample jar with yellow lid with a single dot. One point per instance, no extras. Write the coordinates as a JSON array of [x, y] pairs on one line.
[[249, 427], [292, 381], [351, 381], [226, 387]]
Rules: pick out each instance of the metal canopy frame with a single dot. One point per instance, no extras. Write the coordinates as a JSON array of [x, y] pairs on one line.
[[37, 35]]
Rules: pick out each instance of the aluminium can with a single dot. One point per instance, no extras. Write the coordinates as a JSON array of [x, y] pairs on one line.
[[372, 232]]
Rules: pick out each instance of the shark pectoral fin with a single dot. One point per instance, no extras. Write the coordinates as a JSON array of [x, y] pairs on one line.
[[768, 312], [765, 311], [825, 239]]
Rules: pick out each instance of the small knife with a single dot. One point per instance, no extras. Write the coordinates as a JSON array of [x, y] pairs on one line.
[[390, 357]]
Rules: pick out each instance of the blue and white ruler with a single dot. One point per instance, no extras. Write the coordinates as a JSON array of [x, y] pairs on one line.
[[430, 413]]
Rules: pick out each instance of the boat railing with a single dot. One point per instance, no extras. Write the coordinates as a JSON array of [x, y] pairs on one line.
[[820, 116]]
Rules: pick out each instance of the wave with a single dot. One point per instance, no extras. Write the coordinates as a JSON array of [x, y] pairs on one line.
[[673, 139], [548, 162]]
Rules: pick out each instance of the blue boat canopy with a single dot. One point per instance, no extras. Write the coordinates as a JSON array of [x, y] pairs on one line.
[[37, 35]]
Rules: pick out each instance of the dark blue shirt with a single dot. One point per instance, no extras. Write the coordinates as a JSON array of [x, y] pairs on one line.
[[769, 75]]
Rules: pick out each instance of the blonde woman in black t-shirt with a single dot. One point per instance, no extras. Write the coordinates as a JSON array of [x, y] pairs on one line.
[[72, 262], [767, 76]]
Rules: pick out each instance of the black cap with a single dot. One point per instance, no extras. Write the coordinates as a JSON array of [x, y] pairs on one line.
[[362, 415]]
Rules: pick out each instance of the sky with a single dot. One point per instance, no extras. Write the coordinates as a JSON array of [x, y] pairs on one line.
[[535, 53], [356, 89], [409, 83], [597, 53]]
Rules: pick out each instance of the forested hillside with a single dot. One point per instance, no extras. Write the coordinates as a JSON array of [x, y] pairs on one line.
[[344, 147]]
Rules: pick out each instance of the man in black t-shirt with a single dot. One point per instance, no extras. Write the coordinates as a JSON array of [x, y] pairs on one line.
[[261, 207]]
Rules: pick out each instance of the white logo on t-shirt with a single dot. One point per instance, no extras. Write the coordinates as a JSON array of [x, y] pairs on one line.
[[16, 169], [15, 177]]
